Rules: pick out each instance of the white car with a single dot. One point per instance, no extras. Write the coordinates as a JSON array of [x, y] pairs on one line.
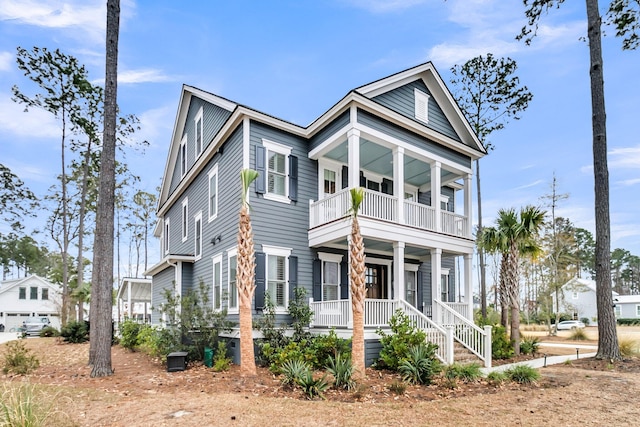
[[568, 325]]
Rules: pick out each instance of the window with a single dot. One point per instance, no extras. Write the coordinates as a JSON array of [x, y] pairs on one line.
[[166, 236], [637, 310], [329, 181], [617, 310], [277, 171], [22, 293], [199, 136], [185, 219], [421, 106], [45, 293], [33, 292], [574, 295], [217, 282], [445, 285], [232, 286], [330, 276], [213, 193], [444, 202], [198, 235], [183, 156], [277, 276], [411, 284]]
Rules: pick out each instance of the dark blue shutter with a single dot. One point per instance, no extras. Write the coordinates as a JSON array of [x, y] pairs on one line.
[[293, 277], [293, 178], [363, 180], [261, 274], [317, 280], [345, 176], [420, 290], [261, 168], [344, 280], [387, 186]]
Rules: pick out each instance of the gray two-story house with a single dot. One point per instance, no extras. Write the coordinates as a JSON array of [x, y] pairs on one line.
[[403, 138]]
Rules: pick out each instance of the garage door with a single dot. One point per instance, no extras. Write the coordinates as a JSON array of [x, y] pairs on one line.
[[14, 320]]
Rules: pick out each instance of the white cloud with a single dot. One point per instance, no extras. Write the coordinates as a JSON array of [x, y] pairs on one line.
[[532, 184], [383, 6], [35, 123], [156, 126], [6, 61], [139, 76], [629, 182], [628, 157]]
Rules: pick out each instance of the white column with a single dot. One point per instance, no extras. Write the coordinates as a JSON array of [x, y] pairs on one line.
[[398, 181], [435, 193], [130, 308], [468, 284], [398, 270], [436, 273], [353, 138], [468, 209]]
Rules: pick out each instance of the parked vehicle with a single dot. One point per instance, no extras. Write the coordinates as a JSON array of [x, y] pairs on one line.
[[568, 325], [34, 326]]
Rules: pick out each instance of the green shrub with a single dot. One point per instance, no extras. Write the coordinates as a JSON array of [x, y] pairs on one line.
[[75, 332], [396, 345], [467, 373], [312, 387], [585, 320], [292, 370], [496, 377], [501, 346], [326, 346], [301, 315], [342, 371], [18, 359], [627, 322], [221, 362], [49, 331], [421, 364], [529, 345], [523, 374], [629, 347], [129, 331], [397, 387], [578, 334], [25, 405]]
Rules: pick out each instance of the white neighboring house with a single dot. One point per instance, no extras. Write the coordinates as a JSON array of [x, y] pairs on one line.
[[134, 300], [28, 300], [578, 298], [627, 306]]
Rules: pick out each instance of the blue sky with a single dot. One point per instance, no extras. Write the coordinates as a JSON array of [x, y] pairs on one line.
[[295, 59]]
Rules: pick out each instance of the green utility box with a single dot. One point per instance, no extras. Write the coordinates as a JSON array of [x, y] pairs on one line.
[[208, 357]]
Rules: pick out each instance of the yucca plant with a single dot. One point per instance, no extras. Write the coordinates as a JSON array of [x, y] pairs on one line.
[[529, 344], [342, 371], [292, 371], [421, 364], [312, 387], [467, 373]]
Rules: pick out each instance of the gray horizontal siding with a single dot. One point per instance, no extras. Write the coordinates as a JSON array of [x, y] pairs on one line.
[[381, 125], [338, 123], [160, 282], [402, 100]]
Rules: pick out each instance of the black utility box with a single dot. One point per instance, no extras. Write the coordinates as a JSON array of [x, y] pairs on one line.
[[177, 361]]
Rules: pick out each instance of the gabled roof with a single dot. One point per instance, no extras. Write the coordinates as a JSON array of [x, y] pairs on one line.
[[627, 299], [27, 281], [140, 289], [361, 96], [590, 284]]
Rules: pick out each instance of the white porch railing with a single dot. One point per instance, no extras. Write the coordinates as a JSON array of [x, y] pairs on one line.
[[384, 207], [331, 313], [465, 332], [462, 308]]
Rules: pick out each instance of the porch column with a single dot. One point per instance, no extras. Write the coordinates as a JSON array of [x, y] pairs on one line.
[[468, 209], [398, 270], [130, 308], [398, 181], [353, 138], [435, 194], [468, 283], [436, 292]]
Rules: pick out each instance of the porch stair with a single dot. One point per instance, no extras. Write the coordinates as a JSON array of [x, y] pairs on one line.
[[462, 355]]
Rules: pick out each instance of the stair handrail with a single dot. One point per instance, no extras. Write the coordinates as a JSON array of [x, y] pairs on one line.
[[483, 347], [444, 338]]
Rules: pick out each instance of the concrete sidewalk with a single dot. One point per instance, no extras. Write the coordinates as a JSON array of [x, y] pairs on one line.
[[549, 360], [8, 336]]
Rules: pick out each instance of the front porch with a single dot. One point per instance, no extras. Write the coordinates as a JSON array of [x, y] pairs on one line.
[[447, 323]]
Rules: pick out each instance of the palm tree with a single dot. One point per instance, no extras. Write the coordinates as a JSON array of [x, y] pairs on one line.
[[245, 276], [491, 240], [513, 236], [357, 276]]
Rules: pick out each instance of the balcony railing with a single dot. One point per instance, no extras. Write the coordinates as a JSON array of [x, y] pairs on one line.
[[384, 207]]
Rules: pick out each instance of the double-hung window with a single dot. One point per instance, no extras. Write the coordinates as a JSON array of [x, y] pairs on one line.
[[33, 292], [276, 171], [183, 156], [277, 285], [232, 284], [45, 294], [217, 282], [213, 193], [330, 276], [197, 221], [411, 284], [185, 219], [637, 310], [199, 133], [22, 293]]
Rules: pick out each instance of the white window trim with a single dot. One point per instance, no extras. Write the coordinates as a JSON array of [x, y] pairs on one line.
[[215, 260], [167, 234], [213, 171], [637, 310], [617, 310], [327, 257], [412, 268], [197, 217], [233, 252], [199, 116], [185, 219], [183, 156], [283, 252], [421, 98], [286, 151], [330, 165]]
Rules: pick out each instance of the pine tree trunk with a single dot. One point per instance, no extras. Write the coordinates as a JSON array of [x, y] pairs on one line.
[[358, 292], [607, 335], [102, 281], [245, 277]]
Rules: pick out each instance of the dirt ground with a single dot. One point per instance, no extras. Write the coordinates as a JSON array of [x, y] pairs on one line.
[[141, 393]]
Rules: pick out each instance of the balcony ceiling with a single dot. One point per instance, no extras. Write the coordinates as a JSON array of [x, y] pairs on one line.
[[379, 160]]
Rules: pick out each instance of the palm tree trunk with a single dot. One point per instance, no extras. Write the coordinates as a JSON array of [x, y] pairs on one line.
[[514, 296], [245, 277], [503, 292], [358, 291]]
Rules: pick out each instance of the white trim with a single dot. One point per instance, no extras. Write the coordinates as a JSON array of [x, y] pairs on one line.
[[167, 235], [184, 223], [335, 259], [216, 259], [325, 256], [199, 116], [197, 251], [232, 252], [421, 108], [278, 252], [183, 156], [246, 144], [286, 152], [213, 171], [637, 310]]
